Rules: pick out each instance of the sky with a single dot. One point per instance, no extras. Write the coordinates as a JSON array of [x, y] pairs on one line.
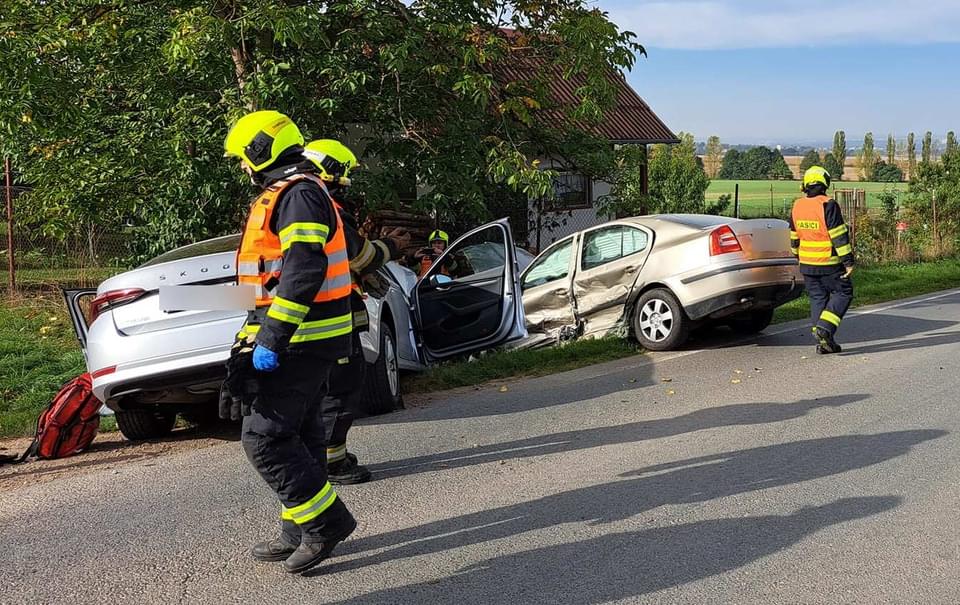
[[781, 72]]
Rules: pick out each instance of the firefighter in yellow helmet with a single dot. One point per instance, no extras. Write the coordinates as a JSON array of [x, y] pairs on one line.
[[439, 240], [334, 161], [819, 238], [293, 254]]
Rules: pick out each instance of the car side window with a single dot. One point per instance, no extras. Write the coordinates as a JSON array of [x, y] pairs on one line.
[[482, 252], [553, 266], [612, 243]]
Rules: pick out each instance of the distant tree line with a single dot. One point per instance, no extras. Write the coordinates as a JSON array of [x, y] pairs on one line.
[[896, 164]]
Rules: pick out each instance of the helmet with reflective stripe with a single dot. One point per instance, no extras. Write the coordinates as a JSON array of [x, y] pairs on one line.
[[259, 138], [816, 175], [332, 158], [439, 236]]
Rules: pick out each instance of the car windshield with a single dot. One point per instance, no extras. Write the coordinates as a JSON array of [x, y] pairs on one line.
[[226, 243]]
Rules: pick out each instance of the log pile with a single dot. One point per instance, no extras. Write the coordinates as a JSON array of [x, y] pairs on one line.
[[419, 227]]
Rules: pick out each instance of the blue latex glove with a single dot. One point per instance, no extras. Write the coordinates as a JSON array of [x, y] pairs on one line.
[[264, 359]]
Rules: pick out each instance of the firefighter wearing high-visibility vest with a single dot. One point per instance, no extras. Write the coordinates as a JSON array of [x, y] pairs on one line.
[[293, 253], [821, 241], [439, 240], [334, 162]]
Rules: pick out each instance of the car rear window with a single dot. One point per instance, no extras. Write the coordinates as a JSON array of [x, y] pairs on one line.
[[210, 246]]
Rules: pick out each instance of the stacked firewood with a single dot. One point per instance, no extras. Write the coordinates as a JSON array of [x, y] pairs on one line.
[[382, 222]]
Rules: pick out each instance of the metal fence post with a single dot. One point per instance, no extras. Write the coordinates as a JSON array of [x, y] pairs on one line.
[[736, 200], [11, 273]]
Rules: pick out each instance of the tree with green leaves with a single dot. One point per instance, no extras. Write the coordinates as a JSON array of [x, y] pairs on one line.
[[911, 155], [887, 173], [867, 158], [926, 152], [831, 164], [732, 166], [713, 159], [133, 99], [677, 183], [812, 158], [891, 150], [779, 170], [951, 146], [839, 152]]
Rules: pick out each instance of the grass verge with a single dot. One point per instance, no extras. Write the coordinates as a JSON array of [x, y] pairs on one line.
[[38, 353], [522, 362]]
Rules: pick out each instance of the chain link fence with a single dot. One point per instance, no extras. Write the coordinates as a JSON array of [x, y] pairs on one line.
[[41, 262]]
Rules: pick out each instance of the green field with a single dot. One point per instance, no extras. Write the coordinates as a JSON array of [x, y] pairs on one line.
[[756, 196]]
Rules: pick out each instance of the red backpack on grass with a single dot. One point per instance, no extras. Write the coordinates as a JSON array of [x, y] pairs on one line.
[[68, 426]]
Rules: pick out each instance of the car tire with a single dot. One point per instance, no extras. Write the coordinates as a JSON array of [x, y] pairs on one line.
[[381, 392], [751, 322], [659, 321], [144, 423]]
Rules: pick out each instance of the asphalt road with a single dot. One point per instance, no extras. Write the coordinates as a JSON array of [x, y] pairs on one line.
[[760, 473]]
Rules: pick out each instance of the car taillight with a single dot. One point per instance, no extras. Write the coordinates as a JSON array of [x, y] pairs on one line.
[[723, 241], [113, 298]]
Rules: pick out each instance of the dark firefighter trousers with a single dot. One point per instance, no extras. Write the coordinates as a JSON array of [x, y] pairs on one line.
[[346, 379], [830, 297], [285, 441]]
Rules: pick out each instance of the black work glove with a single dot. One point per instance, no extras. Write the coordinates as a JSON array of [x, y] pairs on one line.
[[240, 389]]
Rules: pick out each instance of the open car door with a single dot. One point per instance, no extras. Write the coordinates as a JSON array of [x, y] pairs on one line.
[[78, 305], [469, 301]]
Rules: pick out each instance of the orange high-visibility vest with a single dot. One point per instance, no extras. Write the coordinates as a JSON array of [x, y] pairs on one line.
[[260, 258], [816, 245]]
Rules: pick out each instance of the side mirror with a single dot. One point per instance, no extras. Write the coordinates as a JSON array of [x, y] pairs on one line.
[[438, 279]]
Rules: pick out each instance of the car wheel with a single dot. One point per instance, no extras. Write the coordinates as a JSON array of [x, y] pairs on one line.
[[145, 423], [751, 322], [659, 322], [381, 389]]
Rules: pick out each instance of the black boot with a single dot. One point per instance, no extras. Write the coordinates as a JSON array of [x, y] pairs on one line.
[[347, 472], [273, 550], [825, 342], [311, 554]]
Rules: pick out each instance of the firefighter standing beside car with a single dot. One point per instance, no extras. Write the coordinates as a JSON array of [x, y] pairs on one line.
[[294, 254], [334, 161], [819, 238]]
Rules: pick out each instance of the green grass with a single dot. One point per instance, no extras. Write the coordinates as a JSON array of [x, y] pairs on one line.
[[38, 353], [516, 363], [33, 279], [755, 195]]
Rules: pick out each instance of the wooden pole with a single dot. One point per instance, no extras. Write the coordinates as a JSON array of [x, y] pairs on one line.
[[11, 279]]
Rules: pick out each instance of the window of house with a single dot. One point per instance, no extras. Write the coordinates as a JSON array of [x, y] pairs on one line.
[[571, 190], [612, 243], [554, 265]]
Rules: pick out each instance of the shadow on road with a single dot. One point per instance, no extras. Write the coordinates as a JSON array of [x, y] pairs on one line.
[[693, 480], [706, 418], [922, 342], [629, 564], [863, 328]]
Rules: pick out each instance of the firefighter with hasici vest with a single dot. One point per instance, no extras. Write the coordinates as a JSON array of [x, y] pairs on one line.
[[819, 238], [293, 253], [334, 161]]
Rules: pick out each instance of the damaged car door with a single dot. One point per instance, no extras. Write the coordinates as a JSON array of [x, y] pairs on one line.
[[611, 259], [469, 301], [548, 290]]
